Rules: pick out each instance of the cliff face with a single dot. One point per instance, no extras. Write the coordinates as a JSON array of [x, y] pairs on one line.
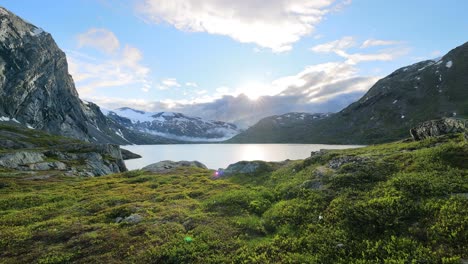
[[36, 89]]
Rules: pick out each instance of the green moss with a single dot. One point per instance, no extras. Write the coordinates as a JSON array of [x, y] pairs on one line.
[[406, 202]]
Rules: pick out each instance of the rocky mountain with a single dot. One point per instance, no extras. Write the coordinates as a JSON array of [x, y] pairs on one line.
[[171, 125], [37, 91], [423, 91]]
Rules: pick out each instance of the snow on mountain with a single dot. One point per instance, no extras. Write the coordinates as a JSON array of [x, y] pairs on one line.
[[173, 125]]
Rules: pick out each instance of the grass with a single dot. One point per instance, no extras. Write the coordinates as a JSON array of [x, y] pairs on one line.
[[402, 202]]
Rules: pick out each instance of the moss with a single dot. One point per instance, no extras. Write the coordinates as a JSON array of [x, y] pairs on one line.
[[406, 203]]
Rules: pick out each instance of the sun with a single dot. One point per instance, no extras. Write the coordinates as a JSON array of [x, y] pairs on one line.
[[253, 90]]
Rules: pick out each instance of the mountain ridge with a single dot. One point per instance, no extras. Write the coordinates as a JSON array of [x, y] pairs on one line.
[[422, 91]]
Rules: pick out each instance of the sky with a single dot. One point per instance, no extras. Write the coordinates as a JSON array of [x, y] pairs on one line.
[[241, 60]]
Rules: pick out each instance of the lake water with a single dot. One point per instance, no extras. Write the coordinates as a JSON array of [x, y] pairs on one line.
[[216, 156]]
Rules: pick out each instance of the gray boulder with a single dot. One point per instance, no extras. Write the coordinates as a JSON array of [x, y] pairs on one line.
[[336, 163], [247, 167], [169, 166], [435, 128], [131, 219]]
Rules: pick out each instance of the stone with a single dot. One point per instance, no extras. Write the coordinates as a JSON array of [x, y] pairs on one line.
[[133, 219], [247, 167], [435, 128], [169, 166], [336, 163], [20, 158], [128, 155]]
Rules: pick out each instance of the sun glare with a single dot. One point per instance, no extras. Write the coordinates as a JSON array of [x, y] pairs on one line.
[[253, 90]]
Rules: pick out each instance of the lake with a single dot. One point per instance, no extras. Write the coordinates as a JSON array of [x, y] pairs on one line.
[[216, 156]]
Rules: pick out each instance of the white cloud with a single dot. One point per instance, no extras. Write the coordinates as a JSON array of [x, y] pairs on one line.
[[191, 84], [122, 68], [169, 83], [377, 42], [340, 44], [273, 24], [99, 38]]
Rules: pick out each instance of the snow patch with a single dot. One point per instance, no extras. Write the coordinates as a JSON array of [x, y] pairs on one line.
[[120, 134], [29, 126], [394, 102], [402, 116], [449, 64], [430, 64]]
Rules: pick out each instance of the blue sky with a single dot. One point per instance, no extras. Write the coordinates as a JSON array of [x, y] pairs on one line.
[[194, 55]]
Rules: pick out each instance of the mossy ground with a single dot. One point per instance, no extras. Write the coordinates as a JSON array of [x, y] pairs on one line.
[[404, 203]]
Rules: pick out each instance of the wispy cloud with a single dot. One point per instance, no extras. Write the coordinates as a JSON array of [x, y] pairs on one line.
[[341, 46], [99, 38], [121, 68], [273, 24], [377, 42], [191, 84], [333, 46]]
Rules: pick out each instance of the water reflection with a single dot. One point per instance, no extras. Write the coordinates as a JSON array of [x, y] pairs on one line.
[[216, 156]]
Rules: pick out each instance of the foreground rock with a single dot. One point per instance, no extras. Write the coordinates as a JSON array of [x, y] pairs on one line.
[[251, 167], [74, 159], [435, 128], [169, 166]]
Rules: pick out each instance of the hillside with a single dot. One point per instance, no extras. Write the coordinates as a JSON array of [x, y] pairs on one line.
[[404, 202], [423, 91]]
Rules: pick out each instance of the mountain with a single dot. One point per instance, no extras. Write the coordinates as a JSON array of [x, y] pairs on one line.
[[171, 125], [37, 91], [426, 90], [278, 128]]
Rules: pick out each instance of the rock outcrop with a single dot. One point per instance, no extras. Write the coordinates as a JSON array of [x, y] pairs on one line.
[[128, 155], [167, 166], [435, 128], [74, 160]]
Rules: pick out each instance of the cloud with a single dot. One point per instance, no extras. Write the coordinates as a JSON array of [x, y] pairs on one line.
[[326, 87], [191, 84], [273, 24], [377, 42], [340, 44], [122, 68], [100, 39], [169, 83]]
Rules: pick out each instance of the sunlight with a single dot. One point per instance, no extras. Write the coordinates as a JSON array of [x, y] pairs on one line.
[[253, 90]]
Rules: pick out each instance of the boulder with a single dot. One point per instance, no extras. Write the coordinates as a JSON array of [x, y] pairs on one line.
[[248, 167], [336, 163], [169, 166], [435, 128], [128, 155]]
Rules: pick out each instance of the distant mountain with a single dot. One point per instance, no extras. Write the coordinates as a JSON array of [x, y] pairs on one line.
[[175, 126], [426, 90], [278, 128]]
